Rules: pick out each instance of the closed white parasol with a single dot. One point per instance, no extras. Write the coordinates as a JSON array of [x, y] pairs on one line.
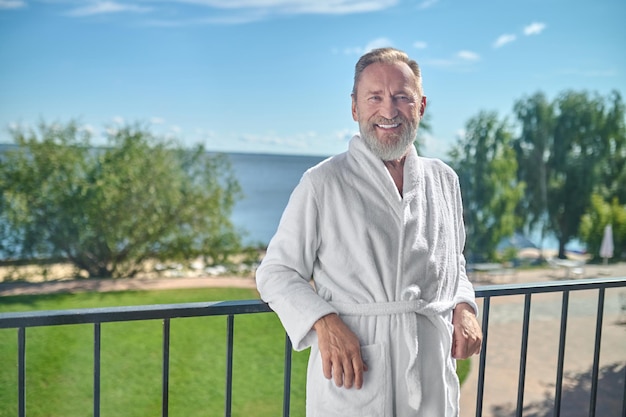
[[606, 248]]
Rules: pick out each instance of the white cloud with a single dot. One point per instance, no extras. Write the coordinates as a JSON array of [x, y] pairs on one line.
[[237, 12], [420, 45], [119, 120], [274, 140], [344, 135], [105, 7], [232, 19], [440, 62], [503, 40], [299, 6], [12, 4], [357, 50], [234, 12], [89, 129], [534, 28], [468, 55], [378, 43], [591, 73], [17, 126], [427, 4], [462, 61], [157, 120]]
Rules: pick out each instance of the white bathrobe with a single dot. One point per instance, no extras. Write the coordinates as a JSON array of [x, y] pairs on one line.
[[391, 266]]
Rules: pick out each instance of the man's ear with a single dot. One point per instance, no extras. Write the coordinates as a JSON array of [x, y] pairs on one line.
[[422, 106], [354, 112]]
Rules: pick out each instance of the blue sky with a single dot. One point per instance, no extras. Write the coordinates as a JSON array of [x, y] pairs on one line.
[[275, 76]]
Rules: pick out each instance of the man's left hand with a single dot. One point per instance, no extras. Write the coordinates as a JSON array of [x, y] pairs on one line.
[[467, 337]]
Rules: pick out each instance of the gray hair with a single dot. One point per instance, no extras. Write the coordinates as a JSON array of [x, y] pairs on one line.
[[387, 56]]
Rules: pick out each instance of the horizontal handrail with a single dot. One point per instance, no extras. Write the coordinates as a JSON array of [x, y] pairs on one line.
[[224, 308], [130, 313], [549, 286]]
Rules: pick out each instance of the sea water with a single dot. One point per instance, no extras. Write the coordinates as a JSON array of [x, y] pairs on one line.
[[267, 182]]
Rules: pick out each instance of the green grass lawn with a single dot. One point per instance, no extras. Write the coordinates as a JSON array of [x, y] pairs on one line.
[[59, 360]]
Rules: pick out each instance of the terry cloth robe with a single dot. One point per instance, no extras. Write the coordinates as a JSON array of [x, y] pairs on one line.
[[392, 268]]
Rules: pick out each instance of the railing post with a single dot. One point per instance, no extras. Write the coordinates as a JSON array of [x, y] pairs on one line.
[[230, 324], [561, 358], [523, 356], [21, 371], [624, 397], [287, 380], [166, 368], [483, 357], [596, 354], [96, 368]]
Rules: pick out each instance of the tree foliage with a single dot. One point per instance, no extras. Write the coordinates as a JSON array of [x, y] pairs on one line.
[[487, 169], [424, 127], [109, 210], [536, 117], [566, 151]]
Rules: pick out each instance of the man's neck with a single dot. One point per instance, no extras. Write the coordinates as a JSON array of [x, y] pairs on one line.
[[396, 163], [396, 169]]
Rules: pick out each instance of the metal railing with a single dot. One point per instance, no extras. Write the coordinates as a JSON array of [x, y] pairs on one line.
[[527, 290], [230, 309]]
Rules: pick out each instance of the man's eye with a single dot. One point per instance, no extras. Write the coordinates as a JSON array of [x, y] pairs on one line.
[[404, 99], [374, 99]]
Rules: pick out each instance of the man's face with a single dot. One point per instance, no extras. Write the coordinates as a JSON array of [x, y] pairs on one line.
[[388, 108]]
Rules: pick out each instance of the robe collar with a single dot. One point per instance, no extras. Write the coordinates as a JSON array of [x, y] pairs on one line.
[[374, 168]]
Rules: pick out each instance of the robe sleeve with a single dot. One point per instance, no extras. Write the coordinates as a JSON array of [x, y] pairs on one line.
[[465, 290], [284, 276]]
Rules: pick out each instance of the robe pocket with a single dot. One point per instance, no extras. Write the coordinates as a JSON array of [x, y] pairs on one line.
[[325, 399]]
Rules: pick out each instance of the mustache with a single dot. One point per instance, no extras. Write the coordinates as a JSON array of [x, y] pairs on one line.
[[385, 121]]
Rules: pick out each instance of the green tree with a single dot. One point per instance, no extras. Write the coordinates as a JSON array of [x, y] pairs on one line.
[[576, 156], [109, 210], [567, 150], [536, 117], [485, 162], [612, 175], [425, 127]]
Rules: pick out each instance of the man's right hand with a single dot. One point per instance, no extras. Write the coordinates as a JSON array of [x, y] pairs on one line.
[[341, 352]]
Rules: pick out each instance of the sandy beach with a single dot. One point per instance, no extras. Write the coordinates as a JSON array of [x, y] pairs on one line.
[[504, 337]]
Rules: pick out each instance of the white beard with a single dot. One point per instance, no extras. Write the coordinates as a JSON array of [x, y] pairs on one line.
[[392, 150]]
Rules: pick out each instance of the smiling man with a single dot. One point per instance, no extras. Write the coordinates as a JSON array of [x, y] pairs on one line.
[[380, 230]]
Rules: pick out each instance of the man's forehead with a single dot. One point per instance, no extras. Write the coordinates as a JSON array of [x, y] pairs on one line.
[[382, 76]]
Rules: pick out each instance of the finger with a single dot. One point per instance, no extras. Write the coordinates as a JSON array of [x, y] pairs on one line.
[[359, 367], [477, 347], [458, 346], [327, 368], [338, 375], [348, 375]]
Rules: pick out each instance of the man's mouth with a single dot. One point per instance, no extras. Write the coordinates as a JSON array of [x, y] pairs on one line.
[[389, 126]]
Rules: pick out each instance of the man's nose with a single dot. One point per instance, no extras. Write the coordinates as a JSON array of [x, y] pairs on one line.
[[389, 108]]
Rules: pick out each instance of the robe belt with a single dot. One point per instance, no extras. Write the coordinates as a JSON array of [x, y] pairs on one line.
[[410, 305]]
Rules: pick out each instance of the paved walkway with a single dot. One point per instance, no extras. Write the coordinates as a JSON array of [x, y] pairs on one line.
[[504, 342], [504, 339]]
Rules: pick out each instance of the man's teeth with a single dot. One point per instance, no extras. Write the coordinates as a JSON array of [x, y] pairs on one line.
[[389, 126]]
